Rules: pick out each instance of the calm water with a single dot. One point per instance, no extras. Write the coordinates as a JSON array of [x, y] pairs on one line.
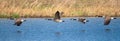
[[39, 29]]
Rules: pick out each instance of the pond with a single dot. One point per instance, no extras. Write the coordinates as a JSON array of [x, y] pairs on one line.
[[40, 29]]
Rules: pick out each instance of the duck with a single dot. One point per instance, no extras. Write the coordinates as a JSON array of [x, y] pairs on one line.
[[83, 20], [57, 17], [19, 21]]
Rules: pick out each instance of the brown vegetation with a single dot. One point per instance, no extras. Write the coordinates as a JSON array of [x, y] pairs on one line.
[[47, 8]]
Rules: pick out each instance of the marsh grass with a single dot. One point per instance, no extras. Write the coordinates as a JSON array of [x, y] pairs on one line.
[[47, 8], [3, 16], [15, 15]]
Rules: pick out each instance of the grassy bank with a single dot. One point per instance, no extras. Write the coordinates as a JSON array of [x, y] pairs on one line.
[[47, 8]]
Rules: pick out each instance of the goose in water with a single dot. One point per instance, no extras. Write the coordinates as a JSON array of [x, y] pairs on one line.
[[19, 21], [83, 20], [57, 17], [107, 20]]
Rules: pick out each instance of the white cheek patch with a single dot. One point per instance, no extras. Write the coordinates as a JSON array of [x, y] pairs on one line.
[[85, 21], [112, 17], [22, 20]]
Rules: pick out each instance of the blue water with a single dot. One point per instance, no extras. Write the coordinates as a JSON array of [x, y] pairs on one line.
[[39, 29]]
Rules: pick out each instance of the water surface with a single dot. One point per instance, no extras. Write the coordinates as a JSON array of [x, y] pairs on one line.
[[40, 29]]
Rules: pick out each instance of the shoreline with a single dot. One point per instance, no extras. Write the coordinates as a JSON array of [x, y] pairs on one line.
[[61, 17]]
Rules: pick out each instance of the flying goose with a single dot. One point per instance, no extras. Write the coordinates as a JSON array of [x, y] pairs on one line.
[[19, 21], [107, 20], [57, 17]]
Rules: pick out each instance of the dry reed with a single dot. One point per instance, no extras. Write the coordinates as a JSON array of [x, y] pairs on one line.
[[47, 8]]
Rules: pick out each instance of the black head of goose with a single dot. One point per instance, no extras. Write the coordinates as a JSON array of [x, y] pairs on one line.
[[83, 20], [19, 21], [57, 17], [107, 20]]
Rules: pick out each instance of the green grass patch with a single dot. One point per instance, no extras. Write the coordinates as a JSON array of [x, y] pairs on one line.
[[15, 15], [3, 16]]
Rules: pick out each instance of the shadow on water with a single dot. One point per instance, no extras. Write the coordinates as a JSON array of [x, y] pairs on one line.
[[40, 29]]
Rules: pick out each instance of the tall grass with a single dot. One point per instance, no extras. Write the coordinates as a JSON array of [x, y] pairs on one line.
[[47, 8]]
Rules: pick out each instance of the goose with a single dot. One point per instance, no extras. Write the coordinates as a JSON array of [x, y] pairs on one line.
[[57, 17], [83, 20], [107, 20], [19, 21]]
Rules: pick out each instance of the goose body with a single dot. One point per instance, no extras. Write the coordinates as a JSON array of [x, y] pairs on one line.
[[107, 20], [57, 17], [83, 20], [19, 21]]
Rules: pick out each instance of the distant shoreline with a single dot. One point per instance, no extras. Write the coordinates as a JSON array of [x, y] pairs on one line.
[[53, 17]]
